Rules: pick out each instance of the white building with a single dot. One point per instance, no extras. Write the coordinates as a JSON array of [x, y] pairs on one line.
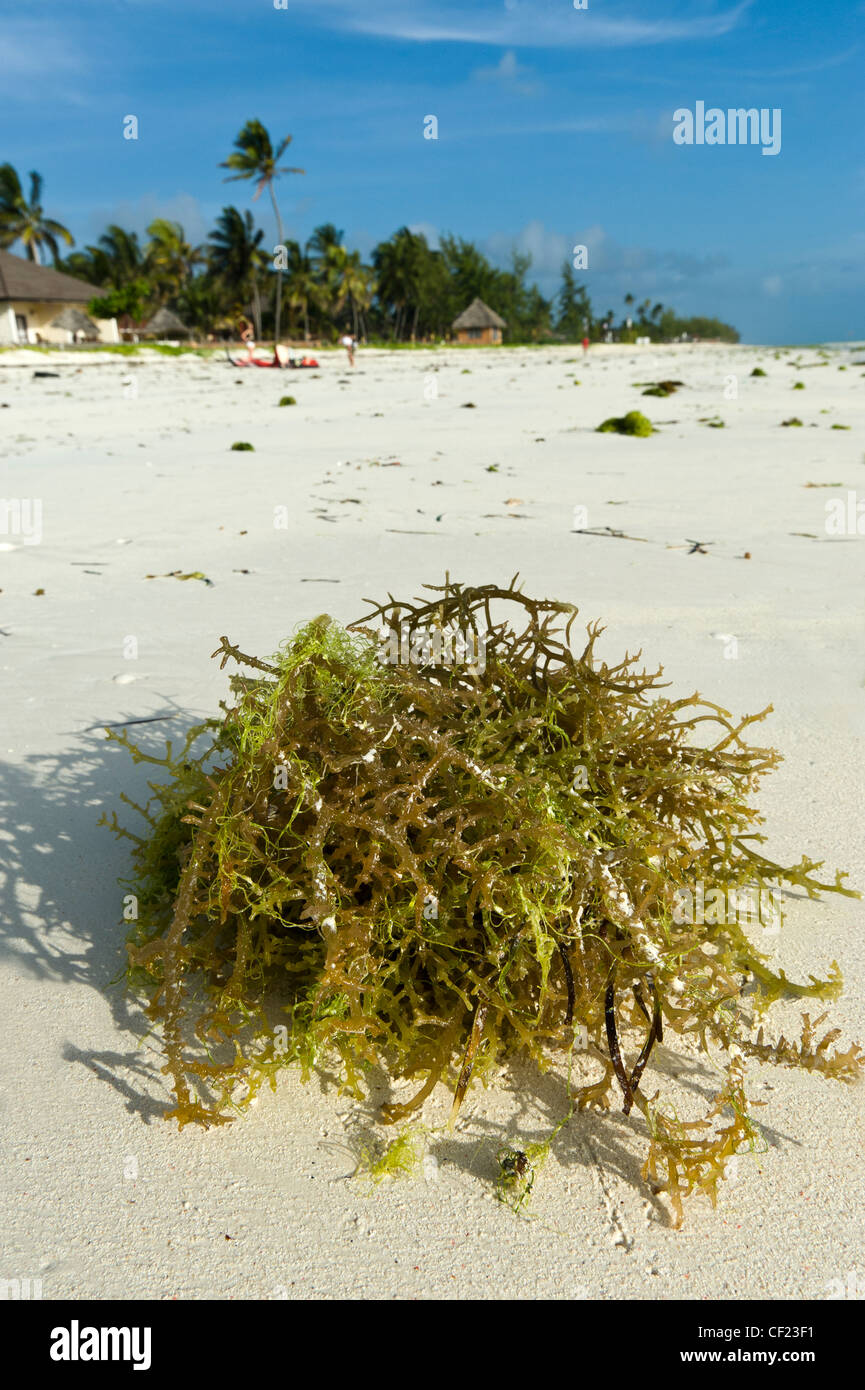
[[32, 295]]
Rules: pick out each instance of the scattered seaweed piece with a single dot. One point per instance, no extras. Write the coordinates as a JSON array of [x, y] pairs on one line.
[[178, 574], [663, 388], [793, 422], [288, 400], [758, 371], [240, 446], [431, 865], [634, 423]]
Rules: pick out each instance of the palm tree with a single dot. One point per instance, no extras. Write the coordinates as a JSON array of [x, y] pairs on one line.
[[323, 241], [399, 264], [123, 257], [304, 287], [255, 158], [169, 258], [25, 221], [236, 257]]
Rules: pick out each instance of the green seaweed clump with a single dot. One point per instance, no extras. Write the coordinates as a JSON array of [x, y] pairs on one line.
[[241, 446], [663, 388], [288, 400], [633, 423], [401, 851], [758, 371], [794, 422]]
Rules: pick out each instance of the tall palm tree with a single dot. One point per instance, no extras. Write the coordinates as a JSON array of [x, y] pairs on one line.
[[25, 221], [255, 158], [236, 257]]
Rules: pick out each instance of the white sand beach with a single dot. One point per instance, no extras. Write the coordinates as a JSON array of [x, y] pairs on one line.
[[387, 481]]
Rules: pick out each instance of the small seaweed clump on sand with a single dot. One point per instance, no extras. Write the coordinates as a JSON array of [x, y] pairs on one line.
[[443, 841], [663, 388], [634, 423]]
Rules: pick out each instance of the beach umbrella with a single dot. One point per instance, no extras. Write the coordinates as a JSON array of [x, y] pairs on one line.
[[165, 324], [75, 321]]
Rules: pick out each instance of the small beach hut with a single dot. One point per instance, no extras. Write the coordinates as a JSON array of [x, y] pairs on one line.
[[76, 323], [164, 324], [478, 324]]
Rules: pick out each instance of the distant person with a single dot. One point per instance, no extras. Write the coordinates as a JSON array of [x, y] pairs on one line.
[[349, 343], [585, 345]]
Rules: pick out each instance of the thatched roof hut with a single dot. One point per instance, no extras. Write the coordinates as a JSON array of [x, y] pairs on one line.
[[478, 324], [164, 324], [76, 322]]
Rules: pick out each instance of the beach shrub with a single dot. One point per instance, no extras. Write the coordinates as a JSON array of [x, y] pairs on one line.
[[287, 400], [633, 423], [383, 855], [240, 446]]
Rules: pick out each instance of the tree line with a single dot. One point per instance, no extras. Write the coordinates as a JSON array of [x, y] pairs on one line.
[[407, 292]]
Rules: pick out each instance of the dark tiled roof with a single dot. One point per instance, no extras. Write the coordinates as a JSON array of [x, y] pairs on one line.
[[22, 279]]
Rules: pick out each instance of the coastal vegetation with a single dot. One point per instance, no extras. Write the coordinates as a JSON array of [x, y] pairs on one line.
[[406, 291]]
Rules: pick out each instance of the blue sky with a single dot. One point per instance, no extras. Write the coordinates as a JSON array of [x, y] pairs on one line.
[[555, 128]]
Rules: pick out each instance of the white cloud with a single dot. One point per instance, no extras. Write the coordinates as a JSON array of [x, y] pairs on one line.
[[428, 230], [511, 73], [647, 267], [527, 23], [30, 50], [135, 215]]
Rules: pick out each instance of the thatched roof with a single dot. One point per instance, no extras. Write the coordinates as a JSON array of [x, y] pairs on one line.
[[22, 279], [479, 315], [74, 321], [165, 324]]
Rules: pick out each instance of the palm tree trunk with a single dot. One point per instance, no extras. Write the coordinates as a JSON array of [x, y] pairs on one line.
[[256, 307], [279, 269], [414, 325]]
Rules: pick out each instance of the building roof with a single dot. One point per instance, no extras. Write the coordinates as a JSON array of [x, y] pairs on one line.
[[165, 324], [479, 315], [23, 279]]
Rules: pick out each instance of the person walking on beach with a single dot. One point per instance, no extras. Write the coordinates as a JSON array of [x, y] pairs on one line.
[[585, 345], [349, 343]]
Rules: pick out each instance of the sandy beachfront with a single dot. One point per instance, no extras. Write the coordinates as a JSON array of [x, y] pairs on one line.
[[382, 479]]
